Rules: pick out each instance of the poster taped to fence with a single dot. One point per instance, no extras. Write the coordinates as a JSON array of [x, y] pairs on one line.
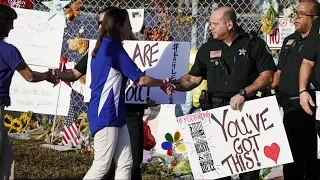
[[39, 97], [222, 142], [158, 59], [283, 29], [38, 40]]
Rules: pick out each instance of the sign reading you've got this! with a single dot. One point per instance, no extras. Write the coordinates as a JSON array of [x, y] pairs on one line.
[[158, 59], [222, 142]]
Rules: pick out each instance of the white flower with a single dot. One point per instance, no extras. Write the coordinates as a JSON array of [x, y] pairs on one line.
[[81, 30], [289, 12]]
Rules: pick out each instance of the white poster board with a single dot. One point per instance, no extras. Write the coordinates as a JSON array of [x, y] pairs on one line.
[[38, 97], [222, 142], [283, 29], [159, 59], [39, 40], [136, 17], [318, 119]]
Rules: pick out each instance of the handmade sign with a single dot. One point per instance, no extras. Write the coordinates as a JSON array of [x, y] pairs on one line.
[[318, 119], [222, 142], [283, 29], [158, 59], [39, 40], [39, 97], [26, 4]]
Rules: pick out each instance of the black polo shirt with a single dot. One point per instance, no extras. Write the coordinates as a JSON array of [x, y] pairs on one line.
[[311, 50], [290, 60], [130, 108], [82, 64], [211, 55]]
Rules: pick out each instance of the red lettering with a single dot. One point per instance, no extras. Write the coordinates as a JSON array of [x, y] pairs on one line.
[[275, 37], [194, 117], [148, 54]]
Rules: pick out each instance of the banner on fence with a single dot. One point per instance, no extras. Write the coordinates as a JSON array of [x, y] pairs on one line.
[[159, 59], [39, 97], [283, 29], [222, 142], [39, 40]]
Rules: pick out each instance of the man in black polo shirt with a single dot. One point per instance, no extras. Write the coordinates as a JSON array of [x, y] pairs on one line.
[[311, 55], [134, 115], [223, 61], [298, 124]]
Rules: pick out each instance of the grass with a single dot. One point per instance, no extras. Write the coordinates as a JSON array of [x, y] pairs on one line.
[[35, 162]]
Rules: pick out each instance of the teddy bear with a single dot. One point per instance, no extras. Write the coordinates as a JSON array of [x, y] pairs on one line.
[[78, 44], [73, 11]]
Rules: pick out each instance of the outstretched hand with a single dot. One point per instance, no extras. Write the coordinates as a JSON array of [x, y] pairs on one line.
[[52, 76], [168, 87]]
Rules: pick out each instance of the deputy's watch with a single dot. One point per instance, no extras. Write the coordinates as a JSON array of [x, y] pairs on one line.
[[243, 93]]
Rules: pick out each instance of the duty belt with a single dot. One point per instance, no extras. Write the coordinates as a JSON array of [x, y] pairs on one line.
[[209, 101], [288, 103]]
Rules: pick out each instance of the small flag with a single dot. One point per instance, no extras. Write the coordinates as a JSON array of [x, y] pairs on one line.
[[214, 54], [70, 131], [289, 42]]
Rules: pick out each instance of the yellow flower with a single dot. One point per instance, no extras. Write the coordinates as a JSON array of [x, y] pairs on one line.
[[24, 118], [7, 120], [16, 124]]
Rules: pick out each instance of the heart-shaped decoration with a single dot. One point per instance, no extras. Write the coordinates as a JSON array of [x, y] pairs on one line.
[[272, 152]]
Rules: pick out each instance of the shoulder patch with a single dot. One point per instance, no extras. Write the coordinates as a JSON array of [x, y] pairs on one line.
[[289, 42]]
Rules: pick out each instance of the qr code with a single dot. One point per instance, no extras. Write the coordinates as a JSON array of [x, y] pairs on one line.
[[207, 166], [196, 129], [206, 156], [202, 147]]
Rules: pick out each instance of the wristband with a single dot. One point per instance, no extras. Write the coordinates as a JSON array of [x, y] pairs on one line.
[[302, 91]]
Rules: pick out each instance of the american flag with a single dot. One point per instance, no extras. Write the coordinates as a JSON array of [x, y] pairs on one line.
[[70, 132]]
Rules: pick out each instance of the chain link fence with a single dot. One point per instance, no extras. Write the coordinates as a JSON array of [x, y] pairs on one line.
[[195, 30]]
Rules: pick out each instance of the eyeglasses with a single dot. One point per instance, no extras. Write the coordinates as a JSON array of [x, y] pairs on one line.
[[300, 14], [99, 23]]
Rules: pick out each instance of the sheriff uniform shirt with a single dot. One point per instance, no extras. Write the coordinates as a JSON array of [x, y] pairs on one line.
[[290, 60], [240, 73], [311, 50]]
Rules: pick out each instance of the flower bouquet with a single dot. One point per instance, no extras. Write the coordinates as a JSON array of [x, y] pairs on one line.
[[290, 13], [269, 9], [18, 124]]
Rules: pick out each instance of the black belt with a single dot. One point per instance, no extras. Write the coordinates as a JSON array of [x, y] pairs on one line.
[[288, 103]]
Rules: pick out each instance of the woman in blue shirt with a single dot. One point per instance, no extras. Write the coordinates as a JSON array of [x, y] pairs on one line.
[[111, 67]]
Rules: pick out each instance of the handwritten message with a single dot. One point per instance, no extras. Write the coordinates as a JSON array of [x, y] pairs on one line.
[[39, 40], [230, 142], [157, 59], [39, 97]]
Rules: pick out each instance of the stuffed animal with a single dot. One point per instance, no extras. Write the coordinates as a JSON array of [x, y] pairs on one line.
[[73, 11], [78, 44]]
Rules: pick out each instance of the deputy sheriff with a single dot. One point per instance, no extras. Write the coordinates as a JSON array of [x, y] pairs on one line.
[[233, 71], [299, 125]]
